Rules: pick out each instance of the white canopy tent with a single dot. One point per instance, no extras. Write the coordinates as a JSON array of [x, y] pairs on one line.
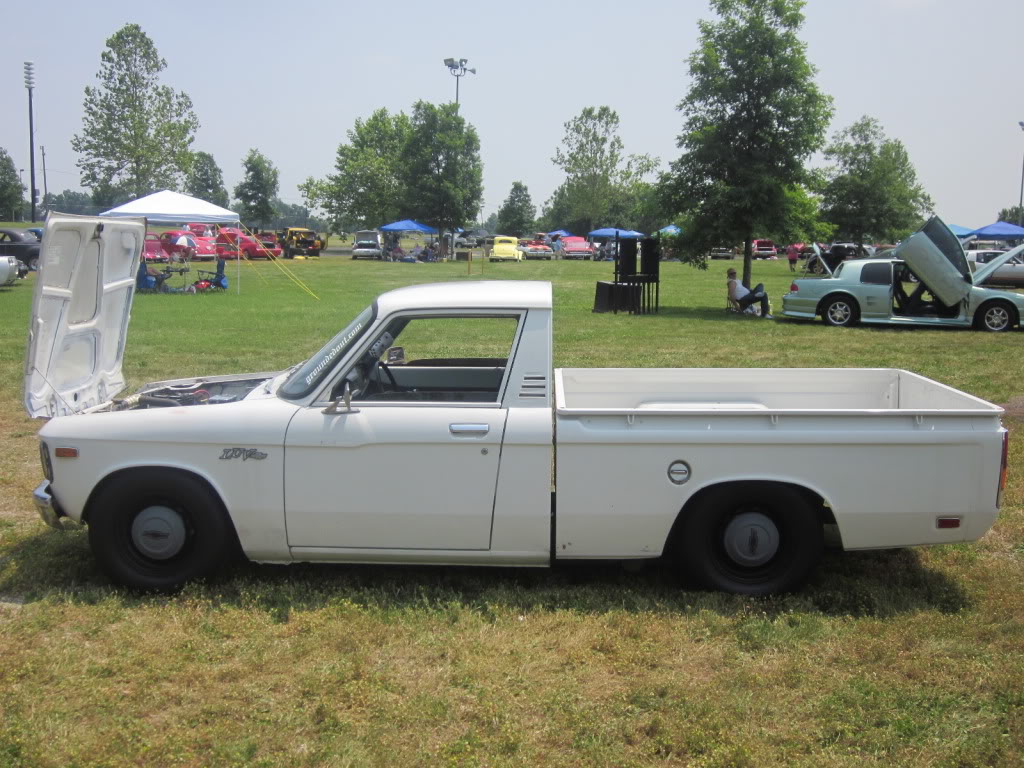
[[167, 207]]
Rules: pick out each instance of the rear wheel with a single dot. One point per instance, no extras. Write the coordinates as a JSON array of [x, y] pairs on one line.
[[750, 538], [158, 529], [840, 311], [995, 316]]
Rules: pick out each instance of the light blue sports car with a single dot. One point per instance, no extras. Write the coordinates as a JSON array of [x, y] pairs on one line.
[[925, 280]]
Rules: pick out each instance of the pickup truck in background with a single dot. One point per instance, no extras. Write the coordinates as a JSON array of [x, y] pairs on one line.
[[433, 429]]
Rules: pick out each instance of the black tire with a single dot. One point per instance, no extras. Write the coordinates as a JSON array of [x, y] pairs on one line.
[[840, 311], [784, 537], [157, 529], [995, 316], [33, 264]]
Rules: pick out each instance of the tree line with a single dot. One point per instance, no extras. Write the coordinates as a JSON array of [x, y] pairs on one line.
[[752, 120]]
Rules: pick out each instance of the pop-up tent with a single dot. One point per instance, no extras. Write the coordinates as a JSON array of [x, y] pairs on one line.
[[959, 231], [622, 234], [671, 229], [1000, 230], [560, 233], [408, 225], [169, 207]]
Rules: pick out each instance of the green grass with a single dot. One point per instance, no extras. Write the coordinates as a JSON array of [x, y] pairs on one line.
[[889, 658]]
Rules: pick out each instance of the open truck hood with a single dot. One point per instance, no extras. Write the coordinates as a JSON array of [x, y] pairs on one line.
[[938, 259], [80, 312]]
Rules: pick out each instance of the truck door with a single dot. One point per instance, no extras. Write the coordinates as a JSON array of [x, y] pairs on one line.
[[414, 463]]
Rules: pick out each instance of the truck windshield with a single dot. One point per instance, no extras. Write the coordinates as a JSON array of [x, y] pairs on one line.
[[312, 372]]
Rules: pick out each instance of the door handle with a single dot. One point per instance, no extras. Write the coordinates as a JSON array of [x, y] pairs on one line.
[[469, 430]]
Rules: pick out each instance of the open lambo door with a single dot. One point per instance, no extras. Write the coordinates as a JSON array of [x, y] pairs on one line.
[[935, 255], [80, 311]]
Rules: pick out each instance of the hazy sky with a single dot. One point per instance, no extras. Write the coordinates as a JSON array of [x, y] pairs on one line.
[[290, 78]]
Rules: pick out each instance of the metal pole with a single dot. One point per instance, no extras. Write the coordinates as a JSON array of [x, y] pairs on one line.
[[29, 84], [1020, 202], [46, 189]]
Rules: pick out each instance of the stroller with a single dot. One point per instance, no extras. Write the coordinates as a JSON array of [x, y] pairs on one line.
[[210, 281]]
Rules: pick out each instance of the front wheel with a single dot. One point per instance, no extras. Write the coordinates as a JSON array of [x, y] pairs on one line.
[[750, 538], [840, 311], [996, 316], [157, 529]]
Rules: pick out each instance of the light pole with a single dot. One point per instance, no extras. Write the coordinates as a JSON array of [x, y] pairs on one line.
[[1020, 203], [30, 82], [457, 67]]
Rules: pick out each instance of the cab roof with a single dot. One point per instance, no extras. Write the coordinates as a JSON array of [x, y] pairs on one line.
[[477, 294]]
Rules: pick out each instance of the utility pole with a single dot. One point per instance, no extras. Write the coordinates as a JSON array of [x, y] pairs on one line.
[[30, 83], [46, 189]]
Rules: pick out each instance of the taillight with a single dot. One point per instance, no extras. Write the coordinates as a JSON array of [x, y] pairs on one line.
[[1003, 465], [793, 287]]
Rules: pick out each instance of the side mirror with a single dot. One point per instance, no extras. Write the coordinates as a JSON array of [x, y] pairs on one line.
[[346, 397]]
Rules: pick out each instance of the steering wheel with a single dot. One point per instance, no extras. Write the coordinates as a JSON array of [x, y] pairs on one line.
[[378, 365]]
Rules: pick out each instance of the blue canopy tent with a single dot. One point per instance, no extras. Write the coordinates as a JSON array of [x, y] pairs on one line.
[[622, 234], [559, 233], [671, 229], [959, 231], [408, 225], [1000, 230]]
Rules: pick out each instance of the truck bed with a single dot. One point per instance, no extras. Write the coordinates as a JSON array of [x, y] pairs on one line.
[[807, 391]]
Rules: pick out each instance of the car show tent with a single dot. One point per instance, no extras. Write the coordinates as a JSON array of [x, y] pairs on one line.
[[408, 225], [1000, 230], [167, 207], [624, 234]]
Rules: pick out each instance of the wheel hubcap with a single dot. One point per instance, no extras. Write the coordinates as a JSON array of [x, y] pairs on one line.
[[158, 532], [997, 318], [751, 539], [839, 313]]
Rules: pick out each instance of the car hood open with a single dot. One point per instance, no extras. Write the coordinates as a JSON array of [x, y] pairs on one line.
[[986, 271], [80, 311], [935, 255]]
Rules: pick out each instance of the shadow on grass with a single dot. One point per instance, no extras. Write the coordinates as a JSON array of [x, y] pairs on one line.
[[54, 566]]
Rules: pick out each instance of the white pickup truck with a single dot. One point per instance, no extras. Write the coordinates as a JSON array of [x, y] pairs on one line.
[[432, 429]]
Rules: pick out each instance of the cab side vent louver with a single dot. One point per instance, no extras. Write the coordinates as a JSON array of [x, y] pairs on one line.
[[534, 385]]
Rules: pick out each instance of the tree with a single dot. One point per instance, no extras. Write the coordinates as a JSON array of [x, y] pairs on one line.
[[872, 191], [1013, 215], [257, 190], [206, 181], [596, 168], [752, 117], [70, 201], [515, 217], [136, 133], [11, 188], [441, 172]]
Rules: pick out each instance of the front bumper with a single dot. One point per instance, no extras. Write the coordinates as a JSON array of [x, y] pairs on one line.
[[47, 506]]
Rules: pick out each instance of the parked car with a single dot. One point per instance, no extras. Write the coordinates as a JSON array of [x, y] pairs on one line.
[[722, 252], [764, 249], [10, 270], [153, 248], [200, 229], [451, 457], [946, 291], [205, 247], [536, 249], [231, 240], [368, 244], [505, 249], [22, 244], [574, 247], [1011, 273], [299, 241]]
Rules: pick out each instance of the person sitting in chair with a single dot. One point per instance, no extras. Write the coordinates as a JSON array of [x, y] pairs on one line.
[[742, 297]]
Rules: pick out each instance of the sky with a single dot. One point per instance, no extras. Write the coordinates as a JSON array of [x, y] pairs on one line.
[[290, 79]]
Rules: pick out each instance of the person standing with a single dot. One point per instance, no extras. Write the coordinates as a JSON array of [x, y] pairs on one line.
[[792, 253]]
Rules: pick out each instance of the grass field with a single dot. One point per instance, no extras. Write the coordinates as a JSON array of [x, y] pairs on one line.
[[891, 658]]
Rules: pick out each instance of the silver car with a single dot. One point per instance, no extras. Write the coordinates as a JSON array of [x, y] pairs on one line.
[[925, 281], [1011, 273]]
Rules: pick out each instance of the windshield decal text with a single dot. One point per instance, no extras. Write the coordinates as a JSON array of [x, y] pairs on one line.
[[331, 354]]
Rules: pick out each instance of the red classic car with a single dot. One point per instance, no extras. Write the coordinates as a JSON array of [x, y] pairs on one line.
[[179, 242], [576, 248], [231, 239], [153, 248], [202, 230]]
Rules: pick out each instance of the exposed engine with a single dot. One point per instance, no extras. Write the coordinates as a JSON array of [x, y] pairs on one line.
[[203, 391]]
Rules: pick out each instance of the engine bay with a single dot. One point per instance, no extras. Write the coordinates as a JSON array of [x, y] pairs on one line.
[[200, 391]]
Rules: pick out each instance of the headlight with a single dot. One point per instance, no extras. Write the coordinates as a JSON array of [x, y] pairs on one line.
[[44, 458]]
